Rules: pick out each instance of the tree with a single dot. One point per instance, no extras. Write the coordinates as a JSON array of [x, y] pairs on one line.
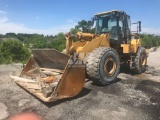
[[58, 43], [150, 40], [11, 35], [74, 30], [13, 51], [84, 26]]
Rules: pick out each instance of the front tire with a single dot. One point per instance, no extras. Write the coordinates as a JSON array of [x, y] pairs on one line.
[[140, 61], [103, 65]]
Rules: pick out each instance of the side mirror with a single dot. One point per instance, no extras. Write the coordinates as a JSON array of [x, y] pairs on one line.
[[139, 22]]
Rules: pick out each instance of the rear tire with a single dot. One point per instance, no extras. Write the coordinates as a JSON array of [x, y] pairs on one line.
[[140, 61], [103, 65]]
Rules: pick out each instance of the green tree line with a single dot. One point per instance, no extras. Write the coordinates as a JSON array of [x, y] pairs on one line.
[[150, 40], [16, 47]]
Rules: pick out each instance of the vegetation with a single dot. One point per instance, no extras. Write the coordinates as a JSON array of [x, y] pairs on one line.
[[15, 47], [150, 40], [85, 26], [13, 51]]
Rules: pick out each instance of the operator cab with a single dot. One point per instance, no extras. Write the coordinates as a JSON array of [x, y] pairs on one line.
[[117, 23]]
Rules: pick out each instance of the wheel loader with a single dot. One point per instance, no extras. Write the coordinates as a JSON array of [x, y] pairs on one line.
[[51, 75]]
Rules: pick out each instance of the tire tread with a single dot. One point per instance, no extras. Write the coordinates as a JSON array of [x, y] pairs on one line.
[[93, 61]]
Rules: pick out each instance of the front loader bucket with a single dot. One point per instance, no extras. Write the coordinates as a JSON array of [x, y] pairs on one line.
[[46, 58], [50, 77]]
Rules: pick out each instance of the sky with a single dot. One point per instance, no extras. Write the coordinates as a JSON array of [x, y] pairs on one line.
[[50, 17]]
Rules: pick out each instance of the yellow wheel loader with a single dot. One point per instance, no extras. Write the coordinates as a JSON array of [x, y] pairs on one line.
[[51, 75]]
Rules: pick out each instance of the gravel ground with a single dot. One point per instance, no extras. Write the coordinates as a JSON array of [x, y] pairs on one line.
[[132, 97]]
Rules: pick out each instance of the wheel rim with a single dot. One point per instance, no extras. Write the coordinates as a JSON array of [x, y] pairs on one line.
[[110, 66], [143, 60]]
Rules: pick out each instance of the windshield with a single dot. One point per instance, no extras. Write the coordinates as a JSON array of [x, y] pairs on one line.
[[104, 23]]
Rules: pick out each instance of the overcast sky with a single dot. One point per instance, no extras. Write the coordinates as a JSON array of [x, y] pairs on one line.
[[50, 17]]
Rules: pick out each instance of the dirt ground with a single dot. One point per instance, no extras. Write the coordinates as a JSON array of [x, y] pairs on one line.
[[132, 97]]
